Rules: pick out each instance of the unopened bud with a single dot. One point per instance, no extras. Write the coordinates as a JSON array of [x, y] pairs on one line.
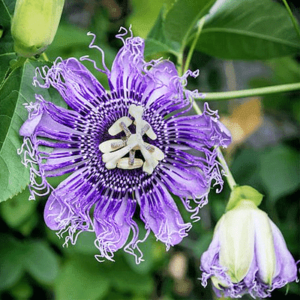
[[34, 25]]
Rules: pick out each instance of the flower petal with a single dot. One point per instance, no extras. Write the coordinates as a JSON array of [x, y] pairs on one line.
[[76, 84], [112, 223], [127, 67], [56, 214], [160, 214], [185, 182], [211, 255], [161, 83], [264, 247], [286, 269]]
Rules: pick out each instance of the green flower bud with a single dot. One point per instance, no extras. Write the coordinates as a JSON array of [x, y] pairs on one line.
[[34, 25]]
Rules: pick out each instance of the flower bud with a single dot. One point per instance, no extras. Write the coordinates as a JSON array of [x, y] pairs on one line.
[[248, 253], [34, 25]]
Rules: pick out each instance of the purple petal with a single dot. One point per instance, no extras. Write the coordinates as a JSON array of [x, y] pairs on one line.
[[161, 82], [112, 224], [188, 182], [76, 84], [209, 257], [56, 214], [286, 269], [161, 215], [127, 65]]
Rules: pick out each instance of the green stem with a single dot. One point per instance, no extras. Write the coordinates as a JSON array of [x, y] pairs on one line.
[[295, 23], [192, 48], [252, 92], [45, 57], [229, 177], [179, 64]]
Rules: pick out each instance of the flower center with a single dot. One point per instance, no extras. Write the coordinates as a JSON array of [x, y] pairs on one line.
[[114, 150]]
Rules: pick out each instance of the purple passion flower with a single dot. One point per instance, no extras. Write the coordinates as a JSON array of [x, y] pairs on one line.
[[248, 254], [125, 147]]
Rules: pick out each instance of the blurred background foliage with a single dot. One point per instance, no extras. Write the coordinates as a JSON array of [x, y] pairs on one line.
[[264, 154]]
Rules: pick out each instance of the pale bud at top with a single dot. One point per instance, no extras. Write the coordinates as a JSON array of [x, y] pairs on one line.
[[34, 25]]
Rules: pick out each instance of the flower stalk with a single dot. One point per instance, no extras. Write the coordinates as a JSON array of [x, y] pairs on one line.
[[252, 92]]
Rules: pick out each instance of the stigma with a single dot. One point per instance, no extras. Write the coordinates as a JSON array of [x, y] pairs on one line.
[[115, 150]]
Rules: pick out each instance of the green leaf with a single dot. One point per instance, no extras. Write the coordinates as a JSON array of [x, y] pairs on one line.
[[6, 11], [5, 59], [67, 39], [279, 173], [13, 177], [156, 42], [11, 261], [29, 224], [16, 211], [16, 91], [249, 29], [182, 18], [6, 42], [284, 70], [202, 244], [128, 280], [81, 278], [143, 16], [22, 290], [41, 262]]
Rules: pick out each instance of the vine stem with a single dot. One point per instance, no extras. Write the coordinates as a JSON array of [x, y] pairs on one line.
[[292, 17], [192, 48], [251, 92]]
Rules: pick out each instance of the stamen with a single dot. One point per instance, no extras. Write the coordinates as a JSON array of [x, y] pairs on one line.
[[150, 148], [123, 163], [115, 128], [145, 129], [111, 145], [118, 145], [125, 129], [131, 157], [115, 150]]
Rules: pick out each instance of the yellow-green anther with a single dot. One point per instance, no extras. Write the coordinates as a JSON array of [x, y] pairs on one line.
[[34, 25]]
